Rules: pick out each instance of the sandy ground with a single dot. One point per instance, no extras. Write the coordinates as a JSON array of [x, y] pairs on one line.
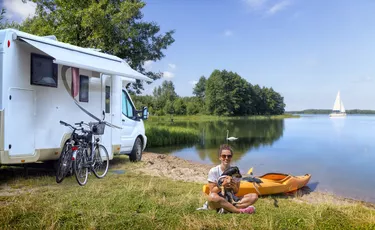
[[179, 169], [174, 168]]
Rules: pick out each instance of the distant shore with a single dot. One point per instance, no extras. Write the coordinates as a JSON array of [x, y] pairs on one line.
[[328, 111]]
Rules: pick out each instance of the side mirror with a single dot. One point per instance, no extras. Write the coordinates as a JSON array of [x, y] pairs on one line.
[[145, 113]]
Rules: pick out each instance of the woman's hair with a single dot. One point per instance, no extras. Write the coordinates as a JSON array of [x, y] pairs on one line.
[[225, 147]]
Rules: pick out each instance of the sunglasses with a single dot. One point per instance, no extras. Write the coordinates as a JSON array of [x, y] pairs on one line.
[[226, 156]]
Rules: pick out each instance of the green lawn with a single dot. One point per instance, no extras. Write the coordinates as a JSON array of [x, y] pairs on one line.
[[132, 201]]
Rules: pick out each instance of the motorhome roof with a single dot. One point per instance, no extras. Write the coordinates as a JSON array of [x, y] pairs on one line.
[[82, 58]]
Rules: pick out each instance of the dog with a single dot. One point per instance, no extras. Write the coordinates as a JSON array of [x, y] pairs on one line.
[[223, 188]]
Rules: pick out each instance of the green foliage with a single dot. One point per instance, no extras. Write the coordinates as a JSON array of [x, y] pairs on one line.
[[222, 94], [166, 91], [5, 23], [227, 94], [168, 107], [114, 26], [179, 106], [192, 108], [199, 89]]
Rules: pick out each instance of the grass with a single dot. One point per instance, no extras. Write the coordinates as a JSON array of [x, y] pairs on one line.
[[133, 201]]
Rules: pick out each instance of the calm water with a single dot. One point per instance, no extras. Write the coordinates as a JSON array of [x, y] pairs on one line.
[[338, 152]]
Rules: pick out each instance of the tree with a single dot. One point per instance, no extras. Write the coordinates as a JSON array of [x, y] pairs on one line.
[[166, 91], [113, 26], [168, 107], [5, 23], [200, 88], [228, 94], [179, 107]]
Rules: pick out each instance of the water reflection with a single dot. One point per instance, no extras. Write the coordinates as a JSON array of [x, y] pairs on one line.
[[251, 134]]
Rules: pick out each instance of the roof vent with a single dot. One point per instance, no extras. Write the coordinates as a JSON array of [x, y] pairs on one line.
[[52, 37]]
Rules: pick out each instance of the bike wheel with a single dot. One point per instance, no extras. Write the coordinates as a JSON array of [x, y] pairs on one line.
[[101, 161], [81, 172], [64, 163]]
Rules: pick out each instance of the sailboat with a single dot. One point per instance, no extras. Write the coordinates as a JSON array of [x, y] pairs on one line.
[[338, 107]]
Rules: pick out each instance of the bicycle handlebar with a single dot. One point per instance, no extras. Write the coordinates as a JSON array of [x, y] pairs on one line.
[[64, 123], [75, 128], [81, 123]]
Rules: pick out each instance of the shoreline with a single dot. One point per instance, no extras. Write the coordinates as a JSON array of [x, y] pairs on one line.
[[178, 169]]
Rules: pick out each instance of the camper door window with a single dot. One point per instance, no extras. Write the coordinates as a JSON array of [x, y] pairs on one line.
[[127, 107], [83, 88], [43, 71]]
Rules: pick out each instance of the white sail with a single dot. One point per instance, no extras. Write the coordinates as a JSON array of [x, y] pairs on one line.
[[338, 108], [342, 107], [337, 105]]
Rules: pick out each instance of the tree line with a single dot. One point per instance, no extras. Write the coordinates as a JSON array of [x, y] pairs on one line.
[[224, 93]]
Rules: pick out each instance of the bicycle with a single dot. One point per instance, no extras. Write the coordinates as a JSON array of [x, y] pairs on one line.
[[88, 155], [65, 159]]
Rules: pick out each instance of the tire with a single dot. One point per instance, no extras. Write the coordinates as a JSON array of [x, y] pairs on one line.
[[64, 163], [101, 161], [136, 154], [81, 172]]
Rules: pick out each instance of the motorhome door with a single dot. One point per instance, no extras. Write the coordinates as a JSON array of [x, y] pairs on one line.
[[107, 109], [20, 128], [129, 124]]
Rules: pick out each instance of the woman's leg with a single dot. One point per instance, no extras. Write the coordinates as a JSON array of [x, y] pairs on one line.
[[215, 202], [247, 200]]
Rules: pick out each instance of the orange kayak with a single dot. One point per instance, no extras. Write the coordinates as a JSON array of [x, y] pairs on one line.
[[272, 183]]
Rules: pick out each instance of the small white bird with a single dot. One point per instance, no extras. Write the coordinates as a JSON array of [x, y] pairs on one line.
[[231, 138]]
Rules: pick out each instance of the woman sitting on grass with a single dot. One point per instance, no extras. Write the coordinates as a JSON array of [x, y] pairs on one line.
[[215, 199]]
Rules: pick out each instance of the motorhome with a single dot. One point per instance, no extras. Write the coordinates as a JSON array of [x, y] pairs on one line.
[[43, 81]]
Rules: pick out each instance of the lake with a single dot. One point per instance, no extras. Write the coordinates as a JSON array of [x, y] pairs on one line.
[[338, 152]]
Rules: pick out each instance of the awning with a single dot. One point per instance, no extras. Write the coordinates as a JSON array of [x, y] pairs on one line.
[[86, 60]]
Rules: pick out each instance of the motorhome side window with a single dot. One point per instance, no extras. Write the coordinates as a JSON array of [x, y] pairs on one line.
[[83, 88], [127, 107], [107, 99], [43, 71]]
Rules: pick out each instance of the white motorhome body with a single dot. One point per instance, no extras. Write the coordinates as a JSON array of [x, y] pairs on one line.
[[43, 81]]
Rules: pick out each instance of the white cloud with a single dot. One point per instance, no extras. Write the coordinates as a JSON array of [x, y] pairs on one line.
[[148, 65], [18, 11], [194, 82], [278, 7], [267, 7], [167, 74], [172, 66], [228, 33]]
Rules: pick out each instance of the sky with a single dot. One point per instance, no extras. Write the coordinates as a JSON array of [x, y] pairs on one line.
[[307, 50]]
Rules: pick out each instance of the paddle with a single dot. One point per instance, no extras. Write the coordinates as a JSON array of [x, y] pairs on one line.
[[252, 179], [250, 172]]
